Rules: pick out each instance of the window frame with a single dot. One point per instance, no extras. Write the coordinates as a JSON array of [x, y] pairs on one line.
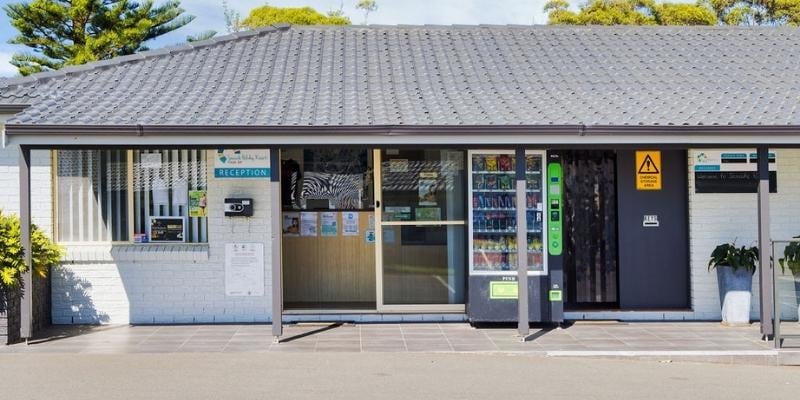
[[131, 228]]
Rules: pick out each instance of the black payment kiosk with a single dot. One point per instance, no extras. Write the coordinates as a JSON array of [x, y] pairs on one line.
[[495, 177]]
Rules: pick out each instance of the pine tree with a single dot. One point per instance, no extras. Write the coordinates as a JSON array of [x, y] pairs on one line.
[[72, 32]]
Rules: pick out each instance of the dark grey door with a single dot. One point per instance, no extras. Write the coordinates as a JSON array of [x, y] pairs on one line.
[[653, 259]]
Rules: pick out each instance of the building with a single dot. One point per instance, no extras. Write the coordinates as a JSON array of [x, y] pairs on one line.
[[374, 173]]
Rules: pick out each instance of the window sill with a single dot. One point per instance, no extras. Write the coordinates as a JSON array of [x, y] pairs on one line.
[[130, 252]]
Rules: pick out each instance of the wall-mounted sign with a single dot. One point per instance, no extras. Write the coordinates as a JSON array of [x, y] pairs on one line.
[[244, 269], [167, 229], [650, 221], [648, 170], [242, 164], [730, 171]]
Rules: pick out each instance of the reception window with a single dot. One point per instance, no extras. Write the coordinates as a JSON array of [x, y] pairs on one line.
[[131, 196]]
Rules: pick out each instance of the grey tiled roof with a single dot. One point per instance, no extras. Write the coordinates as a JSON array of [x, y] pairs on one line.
[[435, 75]]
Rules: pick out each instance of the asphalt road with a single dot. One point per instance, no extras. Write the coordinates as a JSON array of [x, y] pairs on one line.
[[380, 376]]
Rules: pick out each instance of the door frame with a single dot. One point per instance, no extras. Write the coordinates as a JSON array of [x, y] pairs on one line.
[[379, 224]]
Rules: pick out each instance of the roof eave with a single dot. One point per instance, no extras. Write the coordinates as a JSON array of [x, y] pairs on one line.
[[14, 129], [54, 136], [13, 108]]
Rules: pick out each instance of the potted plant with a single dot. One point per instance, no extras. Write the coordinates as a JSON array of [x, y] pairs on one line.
[[735, 268], [791, 261]]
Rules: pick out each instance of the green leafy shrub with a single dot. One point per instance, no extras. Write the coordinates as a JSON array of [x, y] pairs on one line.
[[45, 253], [728, 255]]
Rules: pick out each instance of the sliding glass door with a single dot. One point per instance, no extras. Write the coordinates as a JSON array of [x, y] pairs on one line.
[[422, 232]]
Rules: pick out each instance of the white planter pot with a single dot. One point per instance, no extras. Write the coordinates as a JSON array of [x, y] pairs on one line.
[[735, 292]]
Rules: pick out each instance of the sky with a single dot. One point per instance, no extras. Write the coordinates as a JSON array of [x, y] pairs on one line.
[[209, 16]]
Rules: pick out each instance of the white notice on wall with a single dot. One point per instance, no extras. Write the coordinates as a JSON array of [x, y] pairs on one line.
[[308, 224], [150, 160], [180, 193], [160, 191], [244, 269], [350, 223]]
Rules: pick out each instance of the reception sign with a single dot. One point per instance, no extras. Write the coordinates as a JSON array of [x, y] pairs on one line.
[[242, 164], [731, 171]]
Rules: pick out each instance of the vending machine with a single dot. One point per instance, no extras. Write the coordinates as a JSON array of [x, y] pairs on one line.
[[493, 235]]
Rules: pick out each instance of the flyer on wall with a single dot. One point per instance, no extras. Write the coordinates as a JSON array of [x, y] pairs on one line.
[[198, 203], [308, 224], [291, 224], [350, 223], [328, 224], [427, 192]]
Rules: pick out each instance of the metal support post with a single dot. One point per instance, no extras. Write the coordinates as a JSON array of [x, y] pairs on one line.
[[275, 224], [523, 326], [765, 268], [26, 309]]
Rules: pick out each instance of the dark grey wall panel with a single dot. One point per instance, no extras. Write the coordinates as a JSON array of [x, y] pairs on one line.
[[653, 261]]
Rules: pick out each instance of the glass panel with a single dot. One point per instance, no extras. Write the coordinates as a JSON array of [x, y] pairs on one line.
[[92, 195], [533, 213], [163, 182], [423, 264], [494, 211], [423, 185], [787, 293], [327, 179]]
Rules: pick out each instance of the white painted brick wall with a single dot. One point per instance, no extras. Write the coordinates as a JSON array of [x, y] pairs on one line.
[[716, 218], [172, 286], [41, 185]]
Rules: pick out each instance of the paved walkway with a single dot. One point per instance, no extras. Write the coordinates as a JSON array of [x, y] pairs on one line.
[[695, 340]]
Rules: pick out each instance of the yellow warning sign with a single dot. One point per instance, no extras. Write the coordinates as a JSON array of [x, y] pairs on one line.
[[648, 170]]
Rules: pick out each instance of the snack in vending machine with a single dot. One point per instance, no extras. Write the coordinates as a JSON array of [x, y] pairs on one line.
[[532, 182], [495, 202], [478, 182], [504, 164], [505, 182], [478, 163], [491, 163], [491, 182], [532, 164]]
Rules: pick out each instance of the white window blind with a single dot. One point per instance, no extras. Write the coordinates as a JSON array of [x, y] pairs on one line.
[[92, 195]]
